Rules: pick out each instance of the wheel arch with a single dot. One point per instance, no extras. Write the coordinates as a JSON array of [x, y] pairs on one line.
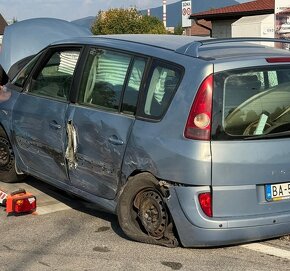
[[126, 178], [163, 188]]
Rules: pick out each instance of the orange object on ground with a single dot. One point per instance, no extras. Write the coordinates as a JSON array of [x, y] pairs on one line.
[[20, 201]]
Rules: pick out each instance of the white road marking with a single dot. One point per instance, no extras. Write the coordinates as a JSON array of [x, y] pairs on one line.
[[52, 208], [278, 252]]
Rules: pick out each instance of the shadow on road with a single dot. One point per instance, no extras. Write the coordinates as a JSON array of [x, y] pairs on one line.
[[44, 190]]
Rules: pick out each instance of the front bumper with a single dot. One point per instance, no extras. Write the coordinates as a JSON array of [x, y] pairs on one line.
[[197, 230]]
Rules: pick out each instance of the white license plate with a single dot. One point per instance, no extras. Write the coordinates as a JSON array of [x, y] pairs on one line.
[[277, 191]]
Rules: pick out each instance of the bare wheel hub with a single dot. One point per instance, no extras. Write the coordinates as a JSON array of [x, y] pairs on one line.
[[6, 154], [152, 213]]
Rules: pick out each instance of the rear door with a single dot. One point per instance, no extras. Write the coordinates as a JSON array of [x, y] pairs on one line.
[[38, 119], [102, 119], [251, 141]]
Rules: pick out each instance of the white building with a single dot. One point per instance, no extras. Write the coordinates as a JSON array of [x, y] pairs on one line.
[[248, 19]]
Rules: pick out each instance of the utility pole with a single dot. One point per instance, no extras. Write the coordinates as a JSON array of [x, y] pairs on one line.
[[164, 12]]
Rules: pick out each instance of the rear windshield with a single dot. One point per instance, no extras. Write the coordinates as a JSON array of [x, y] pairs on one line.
[[253, 103]]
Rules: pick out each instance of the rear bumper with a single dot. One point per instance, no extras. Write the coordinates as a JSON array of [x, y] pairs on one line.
[[197, 230]]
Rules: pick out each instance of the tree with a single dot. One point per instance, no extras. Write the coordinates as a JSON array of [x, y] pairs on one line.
[[126, 21], [178, 30], [151, 24]]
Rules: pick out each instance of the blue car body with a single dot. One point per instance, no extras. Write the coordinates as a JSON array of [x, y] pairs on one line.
[[92, 150]]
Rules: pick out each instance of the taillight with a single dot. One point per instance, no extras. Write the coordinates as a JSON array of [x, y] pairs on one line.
[[205, 201], [198, 124]]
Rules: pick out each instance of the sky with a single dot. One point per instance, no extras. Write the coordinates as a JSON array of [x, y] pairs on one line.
[[69, 9]]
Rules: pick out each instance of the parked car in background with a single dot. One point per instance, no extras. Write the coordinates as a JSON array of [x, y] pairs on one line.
[[185, 139]]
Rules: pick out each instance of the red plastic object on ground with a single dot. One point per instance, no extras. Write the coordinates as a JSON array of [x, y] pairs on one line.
[[20, 201]]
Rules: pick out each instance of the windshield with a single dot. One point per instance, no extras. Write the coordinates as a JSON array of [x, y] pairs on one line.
[[255, 102]]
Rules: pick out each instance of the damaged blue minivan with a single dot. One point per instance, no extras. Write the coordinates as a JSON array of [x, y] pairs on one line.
[[186, 139]]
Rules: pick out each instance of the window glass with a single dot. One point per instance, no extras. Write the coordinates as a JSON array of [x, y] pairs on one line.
[[131, 92], [55, 78], [104, 78], [273, 80], [21, 77], [163, 84], [265, 79], [252, 107]]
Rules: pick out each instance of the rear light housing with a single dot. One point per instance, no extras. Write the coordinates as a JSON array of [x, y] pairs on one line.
[[205, 201], [198, 124]]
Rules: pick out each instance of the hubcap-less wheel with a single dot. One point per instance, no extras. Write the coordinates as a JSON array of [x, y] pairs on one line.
[[143, 214], [152, 212], [6, 154], [8, 172]]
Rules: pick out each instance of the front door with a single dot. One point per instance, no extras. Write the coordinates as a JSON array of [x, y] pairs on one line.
[[39, 116], [102, 120]]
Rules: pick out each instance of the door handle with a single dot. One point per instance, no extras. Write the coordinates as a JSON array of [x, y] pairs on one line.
[[54, 125], [115, 140]]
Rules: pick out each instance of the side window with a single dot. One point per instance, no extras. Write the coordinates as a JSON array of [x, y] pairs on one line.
[[21, 77], [132, 89], [163, 84], [104, 78], [55, 78]]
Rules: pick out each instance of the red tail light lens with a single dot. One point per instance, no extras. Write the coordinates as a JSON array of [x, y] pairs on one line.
[[205, 201], [198, 124]]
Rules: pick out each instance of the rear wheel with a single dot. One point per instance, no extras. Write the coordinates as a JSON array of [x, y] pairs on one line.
[[143, 214], [7, 161]]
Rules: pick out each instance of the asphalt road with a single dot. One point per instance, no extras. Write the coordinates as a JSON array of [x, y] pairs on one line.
[[70, 234]]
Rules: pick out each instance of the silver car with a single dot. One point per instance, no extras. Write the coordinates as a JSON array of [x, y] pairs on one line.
[[185, 139]]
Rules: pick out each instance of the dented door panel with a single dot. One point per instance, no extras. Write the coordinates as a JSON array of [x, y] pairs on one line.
[[101, 142], [40, 135]]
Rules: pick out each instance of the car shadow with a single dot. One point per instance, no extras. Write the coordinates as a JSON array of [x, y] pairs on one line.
[[75, 203]]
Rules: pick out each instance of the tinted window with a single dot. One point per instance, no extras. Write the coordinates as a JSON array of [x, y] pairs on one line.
[[104, 78], [255, 102], [164, 81], [54, 79]]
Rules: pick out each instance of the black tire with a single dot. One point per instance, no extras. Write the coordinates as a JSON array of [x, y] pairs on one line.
[[7, 161], [143, 214]]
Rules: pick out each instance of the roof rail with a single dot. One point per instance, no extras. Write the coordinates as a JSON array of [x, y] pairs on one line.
[[192, 49]]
